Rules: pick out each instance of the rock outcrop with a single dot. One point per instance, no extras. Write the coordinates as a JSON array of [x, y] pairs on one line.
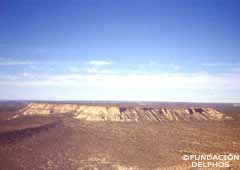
[[118, 113]]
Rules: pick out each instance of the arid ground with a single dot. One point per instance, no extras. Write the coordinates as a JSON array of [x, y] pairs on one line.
[[131, 136]]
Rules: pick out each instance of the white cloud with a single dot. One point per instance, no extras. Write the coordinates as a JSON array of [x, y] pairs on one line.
[[221, 64], [29, 75], [95, 75], [92, 67], [151, 63], [99, 62], [11, 62], [174, 67], [197, 81], [14, 63], [98, 71], [8, 78], [90, 70], [74, 69]]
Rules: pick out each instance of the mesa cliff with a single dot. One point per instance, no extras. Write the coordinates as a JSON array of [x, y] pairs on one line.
[[118, 113]]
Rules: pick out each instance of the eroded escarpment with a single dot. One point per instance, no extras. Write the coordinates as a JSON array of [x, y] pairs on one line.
[[118, 113]]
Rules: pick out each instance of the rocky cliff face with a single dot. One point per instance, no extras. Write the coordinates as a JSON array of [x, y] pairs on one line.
[[117, 113]]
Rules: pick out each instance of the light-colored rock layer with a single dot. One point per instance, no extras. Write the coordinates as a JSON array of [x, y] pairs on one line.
[[116, 113]]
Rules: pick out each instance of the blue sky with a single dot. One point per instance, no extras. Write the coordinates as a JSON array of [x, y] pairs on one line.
[[153, 50]]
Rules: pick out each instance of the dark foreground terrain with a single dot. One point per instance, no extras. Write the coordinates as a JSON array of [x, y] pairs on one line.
[[61, 142]]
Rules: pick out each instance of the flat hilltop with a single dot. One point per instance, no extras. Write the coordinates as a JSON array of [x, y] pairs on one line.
[[124, 113], [83, 136]]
